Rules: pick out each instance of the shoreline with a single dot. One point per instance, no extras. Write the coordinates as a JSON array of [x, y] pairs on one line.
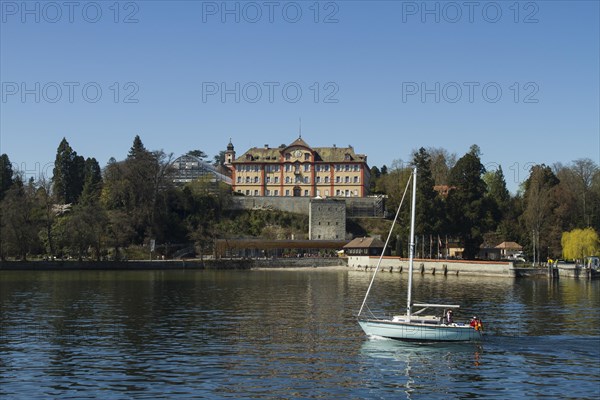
[[288, 264]]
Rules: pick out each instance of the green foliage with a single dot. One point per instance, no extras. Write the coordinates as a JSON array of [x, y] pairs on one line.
[[253, 223], [6, 175], [197, 153], [19, 224], [68, 174], [429, 210], [468, 211], [580, 243], [133, 200]]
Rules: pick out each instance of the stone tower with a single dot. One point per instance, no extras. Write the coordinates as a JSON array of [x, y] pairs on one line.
[[327, 219], [229, 154]]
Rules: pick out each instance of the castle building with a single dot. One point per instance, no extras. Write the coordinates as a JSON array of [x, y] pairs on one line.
[[298, 170]]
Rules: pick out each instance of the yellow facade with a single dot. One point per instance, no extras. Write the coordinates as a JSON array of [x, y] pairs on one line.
[[299, 170]]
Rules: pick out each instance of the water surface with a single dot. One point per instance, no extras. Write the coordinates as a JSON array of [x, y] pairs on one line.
[[287, 334]]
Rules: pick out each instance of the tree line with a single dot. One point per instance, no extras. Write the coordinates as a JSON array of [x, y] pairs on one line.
[[88, 211], [458, 197]]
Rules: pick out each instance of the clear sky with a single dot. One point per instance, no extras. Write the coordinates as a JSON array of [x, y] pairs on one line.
[[520, 79]]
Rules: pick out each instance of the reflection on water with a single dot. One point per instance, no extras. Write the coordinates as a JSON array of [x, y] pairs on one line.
[[285, 334]]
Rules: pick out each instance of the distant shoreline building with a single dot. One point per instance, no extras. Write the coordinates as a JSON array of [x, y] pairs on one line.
[[188, 168], [298, 170]]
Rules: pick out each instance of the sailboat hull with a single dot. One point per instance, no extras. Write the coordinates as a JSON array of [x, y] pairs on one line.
[[419, 332]]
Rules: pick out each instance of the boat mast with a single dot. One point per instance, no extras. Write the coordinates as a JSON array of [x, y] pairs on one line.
[[411, 250]]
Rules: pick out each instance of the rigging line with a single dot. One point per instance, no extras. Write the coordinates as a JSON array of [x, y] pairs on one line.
[[385, 245]]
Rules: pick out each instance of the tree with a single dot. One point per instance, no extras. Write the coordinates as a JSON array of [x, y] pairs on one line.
[[539, 202], [441, 163], [137, 149], [200, 154], [138, 186], [496, 187], [6, 174], [68, 174], [429, 205], [19, 225], [468, 211], [219, 159], [579, 243], [375, 175], [584, 170], [92, 183]]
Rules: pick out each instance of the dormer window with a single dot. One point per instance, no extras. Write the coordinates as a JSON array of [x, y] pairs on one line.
[[347, 157]]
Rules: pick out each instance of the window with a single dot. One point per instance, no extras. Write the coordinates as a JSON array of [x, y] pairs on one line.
[[287, 192], [337, 179], [268, 193], [306, 179], [356, 192], [326, 168], [337, 192], [268, 179], [306, 156], [306, 167], [347, 167], [356, 179], [347, 193], [287, 179], [347, 179], [277, 193], [247, 193], [247, 179], [298, 179], [256, 192], [318, 179], [288, 167], [318, 168], [337, 167], [306, 193], [256, 179], [276, 179], [288, 156], [318, 194], [256, 168], [275, 168], [268, 168], [239, 179], [356, 168], [326, 179]]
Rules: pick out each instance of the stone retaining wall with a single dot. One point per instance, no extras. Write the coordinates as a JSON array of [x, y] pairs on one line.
[[443, 267]]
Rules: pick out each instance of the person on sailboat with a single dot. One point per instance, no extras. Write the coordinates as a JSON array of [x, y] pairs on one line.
[[476, 323], [449, 317]]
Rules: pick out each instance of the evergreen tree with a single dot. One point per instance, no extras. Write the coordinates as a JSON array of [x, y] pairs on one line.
[[137, 149], [467, 208], [68, 174], [92, 181], [496, 188], [6, 175], [428, 211]]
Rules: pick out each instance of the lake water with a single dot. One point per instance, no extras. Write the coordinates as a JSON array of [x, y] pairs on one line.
[[287, 334]]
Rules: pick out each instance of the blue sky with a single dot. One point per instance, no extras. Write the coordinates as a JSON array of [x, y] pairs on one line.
[[520, 79]]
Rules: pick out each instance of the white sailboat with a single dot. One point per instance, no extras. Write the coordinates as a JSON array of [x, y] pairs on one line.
[[414, 325]]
